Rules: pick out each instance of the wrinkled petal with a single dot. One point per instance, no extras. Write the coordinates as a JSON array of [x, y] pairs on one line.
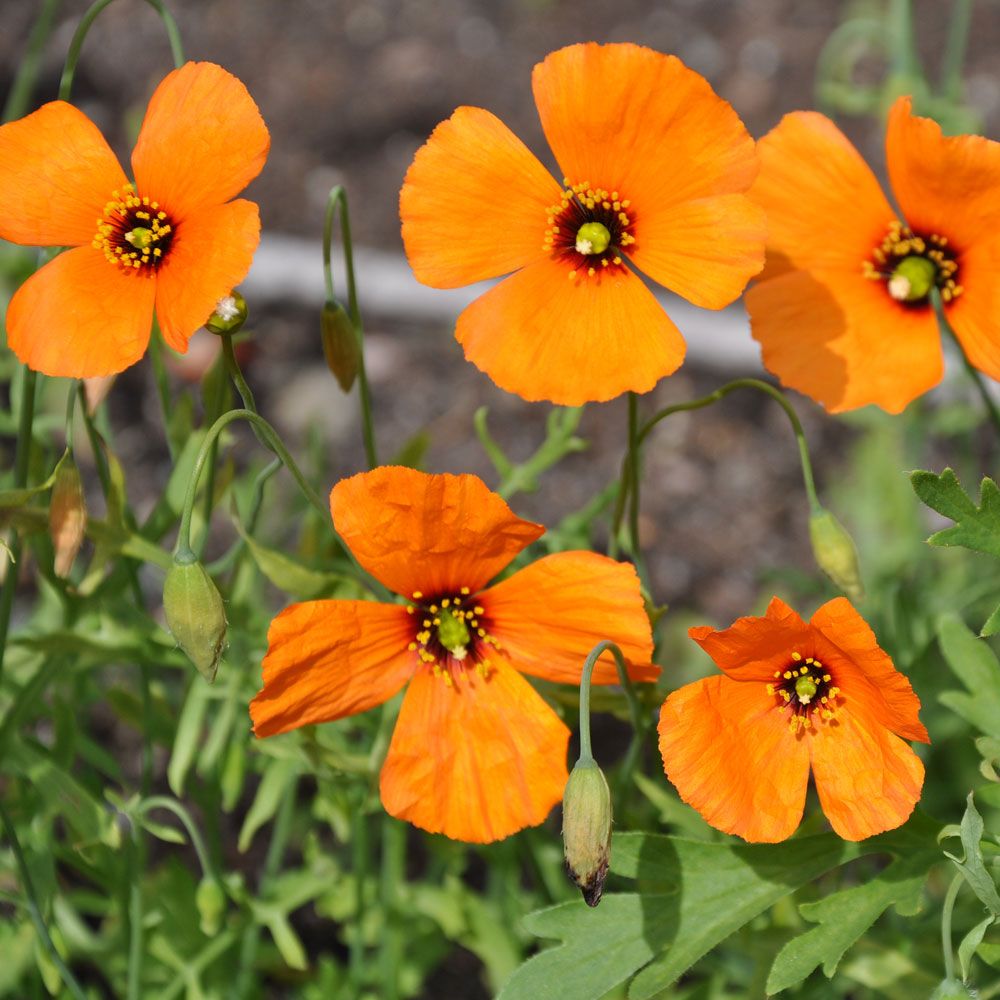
[[209, 256], [56, 175], [430, 534], [328, 659], [868, 780], [80, 316], [202, 140], [548, 616], [543, 336], [474, 202], [975, 314], [477, 760], [731, 755], [842, 340]]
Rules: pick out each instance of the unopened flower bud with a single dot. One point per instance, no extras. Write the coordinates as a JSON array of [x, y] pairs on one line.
[[195, 614], [211, 902], [230, 314], [67, 515], [587, 829], [340, 344], [835, 553], [953, 989]]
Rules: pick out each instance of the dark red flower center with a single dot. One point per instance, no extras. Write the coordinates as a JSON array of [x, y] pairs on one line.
[[134, 233], [913, 264], [451, 633], [806, 689]]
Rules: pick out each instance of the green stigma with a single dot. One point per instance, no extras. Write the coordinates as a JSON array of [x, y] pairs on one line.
[[453, 634], [592, 237], [913, 279], [805, 688], [139, 237]]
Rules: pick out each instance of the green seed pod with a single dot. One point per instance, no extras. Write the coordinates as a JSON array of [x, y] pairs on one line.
[[211, 902], [67, 516], [953, 989], [835, 553], [587, 829], [195, 614], [230, 314], [340, 344]]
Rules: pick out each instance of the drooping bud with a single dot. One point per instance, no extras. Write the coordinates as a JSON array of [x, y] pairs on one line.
[[912, 279], [953, 989], [211, 902], [587, 829], [67, 515], [229, 316], [835, 553], [340, 344], [196, 615], [592, 237]]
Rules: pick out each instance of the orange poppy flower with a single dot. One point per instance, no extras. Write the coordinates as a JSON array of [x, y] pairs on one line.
[[843, 311], [656, 169], [173, 240], [476, 753], [739, 747]]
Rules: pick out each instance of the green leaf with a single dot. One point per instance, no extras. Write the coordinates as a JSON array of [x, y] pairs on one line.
[[990, 954], [287, 941], [976, 528], [413, 451], [972, 865], [18, 498], [188, 738], [970, 943], [992, 625], [975, 665], [278, 778]]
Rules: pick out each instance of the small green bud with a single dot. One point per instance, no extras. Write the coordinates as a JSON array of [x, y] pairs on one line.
[[953, 989], [587, 829], [195, 614], [140, 237], [835, 553], [592, 237], [340, 344], [229, 316], [67, 516], [912, 279], [211, 902]]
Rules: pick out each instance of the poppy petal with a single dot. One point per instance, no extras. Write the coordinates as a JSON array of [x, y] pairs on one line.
[[825, 208], [975, 314], [548, 616], [840, 339], [868, 780], [328, 659], [477, 760], [542, 336], [629, 119], [475, 202], [430, 534], [202, 140], [885, 692], [731, 755], [210, 255], [752, 648], [704, 250], [80, 316], [58, 174]]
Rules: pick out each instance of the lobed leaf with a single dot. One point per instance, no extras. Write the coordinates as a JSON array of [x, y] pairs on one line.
[[976, 528]]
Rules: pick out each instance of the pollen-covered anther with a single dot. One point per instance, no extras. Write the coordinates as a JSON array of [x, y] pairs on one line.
[[588, 229], [134, 232], [912, 265]]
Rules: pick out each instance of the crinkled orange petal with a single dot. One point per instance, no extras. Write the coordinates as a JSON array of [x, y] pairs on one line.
[[80, 316], [752, 648], [869, 675], [542, 336], [840, 339], [474, 202], [202, 140], [433, 534], [944, 184], [56, 175], [328, 659], [825, 208], [731, 755], [705, 250], [868, 780], [210, 254], [632, 120], [477, 760], [548, 616], [975, 314]]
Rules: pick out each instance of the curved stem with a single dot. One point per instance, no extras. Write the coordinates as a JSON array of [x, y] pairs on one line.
[[236, 373], [970, 369], [34, 910], [946, 911], [177, 808], [635, 711]]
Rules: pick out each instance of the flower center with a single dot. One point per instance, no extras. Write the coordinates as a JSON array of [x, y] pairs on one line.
[[806, 690], [912, 265], [589, 229], [133, 233], [452, 634]]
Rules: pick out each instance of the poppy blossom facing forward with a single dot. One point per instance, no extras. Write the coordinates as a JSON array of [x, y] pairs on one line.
[[656, 172], [173, 240], [476, 753], [844, 309], [795, 695]]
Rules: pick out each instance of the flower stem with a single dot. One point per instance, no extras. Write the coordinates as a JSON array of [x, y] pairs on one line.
[[392, 876], [34, 910], [946, 911], [971, 371], [635, 710], [178, 809], [954, 50], [634, 474], [338, 199], [27, 73]]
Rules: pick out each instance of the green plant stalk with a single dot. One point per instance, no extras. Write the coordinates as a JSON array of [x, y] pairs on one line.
[[970, 370], [393, 875], [946, 912], [34, 910], [197, 841], [229, 558], [633, 465], [27, 72], [359, 867], [214, 413], [635, 710], [338, 199], [954, 49], [904, 59]]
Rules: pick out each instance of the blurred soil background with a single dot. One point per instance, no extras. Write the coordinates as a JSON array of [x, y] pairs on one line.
[[349, 90]]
